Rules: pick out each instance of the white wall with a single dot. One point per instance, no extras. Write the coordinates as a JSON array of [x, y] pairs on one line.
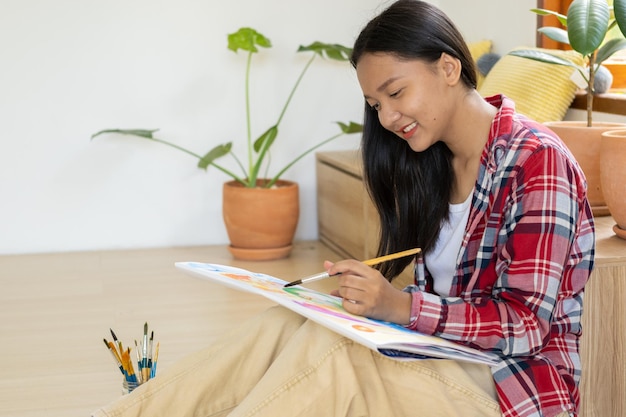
[[69, 68], [508, 23]]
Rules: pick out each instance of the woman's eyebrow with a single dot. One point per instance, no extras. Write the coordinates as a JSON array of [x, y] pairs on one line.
[[386, 84], [383, 86]]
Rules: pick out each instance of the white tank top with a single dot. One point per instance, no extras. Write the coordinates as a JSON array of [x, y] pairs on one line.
[[441, 261]]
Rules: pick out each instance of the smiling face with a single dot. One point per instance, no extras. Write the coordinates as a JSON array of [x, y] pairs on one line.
[[413, 98]]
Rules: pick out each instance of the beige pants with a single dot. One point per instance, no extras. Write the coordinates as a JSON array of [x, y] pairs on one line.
[[280, 364]]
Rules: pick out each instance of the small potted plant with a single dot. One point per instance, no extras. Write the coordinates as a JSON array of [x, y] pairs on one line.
[[585, 28], [260, 213]]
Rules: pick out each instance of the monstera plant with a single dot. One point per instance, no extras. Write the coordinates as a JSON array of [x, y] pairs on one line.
[[261, 221]]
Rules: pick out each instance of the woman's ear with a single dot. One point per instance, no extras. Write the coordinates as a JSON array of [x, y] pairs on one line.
[[451, 68]]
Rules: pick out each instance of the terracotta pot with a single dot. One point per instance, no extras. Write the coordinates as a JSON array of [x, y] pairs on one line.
[[261, 222], [584, 143], [613, 175]]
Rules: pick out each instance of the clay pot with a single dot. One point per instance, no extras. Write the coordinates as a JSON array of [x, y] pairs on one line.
[[261, 222], [584, 143], [613, 176]]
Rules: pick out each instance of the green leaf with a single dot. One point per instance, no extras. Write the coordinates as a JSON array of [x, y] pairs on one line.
[[247, 39], [556, 34], [587, 24], [542, 57], [352, 127], [144, 133], [266, 139], [609, 48], [544, 12], [213, 154], [332, 51], [619, 9]]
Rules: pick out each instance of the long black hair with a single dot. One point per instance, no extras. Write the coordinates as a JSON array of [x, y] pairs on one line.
[[411, 190]]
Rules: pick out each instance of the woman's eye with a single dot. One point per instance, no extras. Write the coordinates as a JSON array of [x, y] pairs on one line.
[[375, 106], [395, 93]]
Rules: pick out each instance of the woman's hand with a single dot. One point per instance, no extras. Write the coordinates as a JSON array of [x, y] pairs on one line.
[[366, 292]]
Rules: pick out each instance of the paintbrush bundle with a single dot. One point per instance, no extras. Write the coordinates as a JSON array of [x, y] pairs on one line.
[[146, 356]]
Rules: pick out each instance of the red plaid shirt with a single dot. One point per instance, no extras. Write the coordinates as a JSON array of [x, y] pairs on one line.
[[526, 255]]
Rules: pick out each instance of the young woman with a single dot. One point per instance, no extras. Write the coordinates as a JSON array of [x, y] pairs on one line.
[[498, 205]]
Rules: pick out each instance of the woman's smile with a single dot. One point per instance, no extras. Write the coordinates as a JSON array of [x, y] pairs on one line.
[[408, 131]]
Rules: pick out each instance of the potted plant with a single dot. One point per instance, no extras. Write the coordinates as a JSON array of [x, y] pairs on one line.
[[585, 29], [260, 212]]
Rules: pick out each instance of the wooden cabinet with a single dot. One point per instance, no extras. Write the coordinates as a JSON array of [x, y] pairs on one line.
[[347, 219], [603, 346], [348, 225], [346, 216]]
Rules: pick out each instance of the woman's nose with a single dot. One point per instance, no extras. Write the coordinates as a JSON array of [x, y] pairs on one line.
[[388, 117]]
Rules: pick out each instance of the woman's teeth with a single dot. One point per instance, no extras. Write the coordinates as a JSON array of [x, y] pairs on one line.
[[409, 127]]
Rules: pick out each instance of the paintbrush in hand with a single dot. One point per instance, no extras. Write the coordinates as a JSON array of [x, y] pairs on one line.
[[369, 262]]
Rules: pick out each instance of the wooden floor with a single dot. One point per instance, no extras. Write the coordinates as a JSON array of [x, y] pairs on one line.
[[55, 309]]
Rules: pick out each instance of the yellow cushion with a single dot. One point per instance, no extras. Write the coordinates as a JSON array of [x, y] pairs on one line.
[[540, 91], [478, 49]]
